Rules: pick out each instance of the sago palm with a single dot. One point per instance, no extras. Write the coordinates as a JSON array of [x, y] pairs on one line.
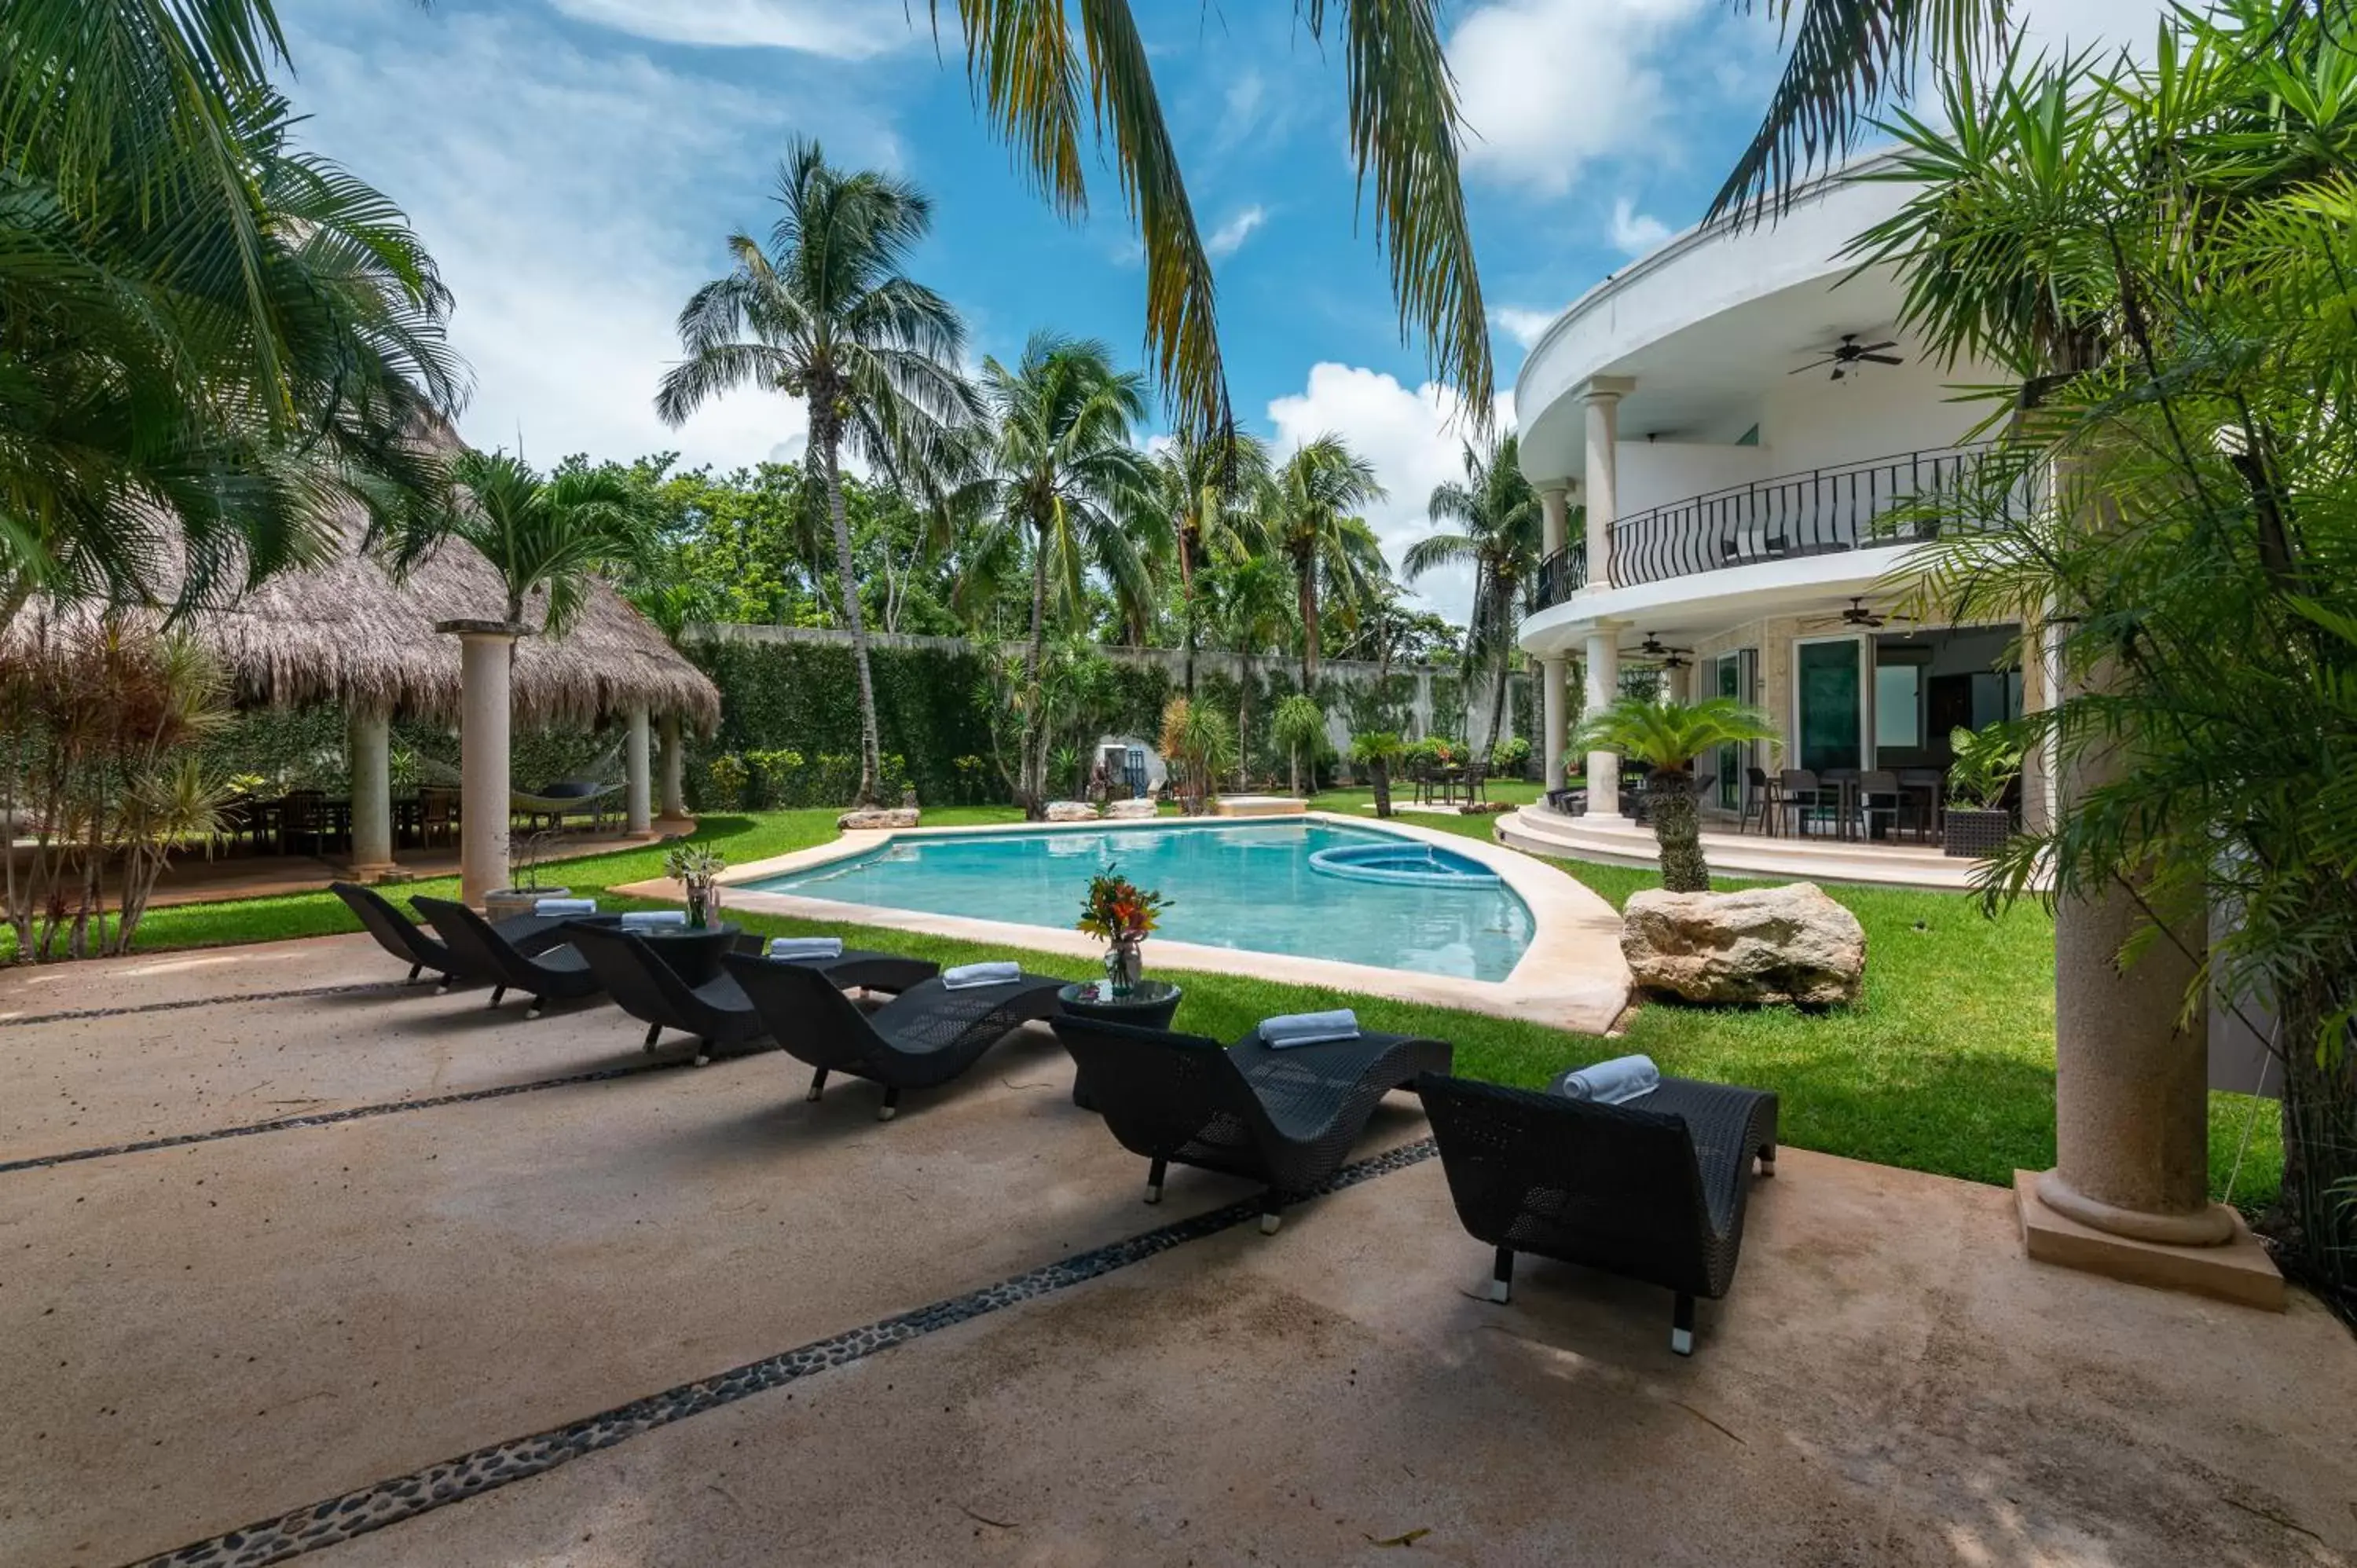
[[824, 313], [550, 533], [1665, 737], [1499, 534], [1314, 523], [1057, 480]]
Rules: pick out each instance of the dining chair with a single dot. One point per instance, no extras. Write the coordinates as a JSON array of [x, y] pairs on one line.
[[303, 817], [1879, 795], [1926, 789], [1802, 796], [1764, 797]]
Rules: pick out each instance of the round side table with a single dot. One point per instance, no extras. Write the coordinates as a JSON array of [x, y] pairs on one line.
[[1150, 1004]]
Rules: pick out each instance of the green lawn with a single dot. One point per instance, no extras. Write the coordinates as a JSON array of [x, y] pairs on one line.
[[1945, 1064]]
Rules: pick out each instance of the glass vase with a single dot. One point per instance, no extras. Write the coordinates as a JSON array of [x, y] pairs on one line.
[[1124, 961]]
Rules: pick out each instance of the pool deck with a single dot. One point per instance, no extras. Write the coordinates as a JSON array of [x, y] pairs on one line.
[[1571, 976]]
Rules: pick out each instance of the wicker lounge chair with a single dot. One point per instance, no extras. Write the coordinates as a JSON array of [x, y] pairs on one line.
[[1651, 1189], [927, 1035], [401, 937], [713, 1007], [483, 953], [1285, 1118]]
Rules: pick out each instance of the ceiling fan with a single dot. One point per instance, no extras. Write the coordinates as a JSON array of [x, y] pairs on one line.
[[1857, 615], [1671, 658], [1850, 352]]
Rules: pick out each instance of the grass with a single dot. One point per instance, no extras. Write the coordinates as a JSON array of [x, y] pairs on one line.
[[1945, 1064]]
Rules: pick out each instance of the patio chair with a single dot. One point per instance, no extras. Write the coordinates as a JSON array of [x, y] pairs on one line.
[[437, 814], [1800, 796], [927, 1035], [483, 953], [1765, 798], [1879, 795], [1286, 1118], [714, 1007], [1924, 790], [399, 936], [1650, 1190]]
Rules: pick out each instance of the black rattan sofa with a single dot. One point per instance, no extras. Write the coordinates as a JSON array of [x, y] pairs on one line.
[[1651, 1189], [712, 1006], [927, 1035], [1285, 1118], [558, 974], [401, 937]]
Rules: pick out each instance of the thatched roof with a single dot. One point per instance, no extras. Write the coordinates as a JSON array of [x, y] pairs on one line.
[[345, 633]]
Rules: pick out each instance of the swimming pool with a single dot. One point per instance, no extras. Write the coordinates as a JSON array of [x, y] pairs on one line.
[[1244, 885]]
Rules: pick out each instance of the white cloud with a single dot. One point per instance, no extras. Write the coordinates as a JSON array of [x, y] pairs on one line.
[[1633, 231], [846, 29], [2104, 26], [1524, 326], [1549, 86], [574, 200], [1415, 439], [1230, 237]]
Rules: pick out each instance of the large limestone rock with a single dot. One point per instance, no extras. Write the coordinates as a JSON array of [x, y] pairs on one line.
[[884, 817], [1126, 810], [1070, 811], [1766, 945]]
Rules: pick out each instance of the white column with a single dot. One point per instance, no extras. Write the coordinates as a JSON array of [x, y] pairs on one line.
[[1682, 685], [675, 770], [1558, 700], [637, 792], [368, 747], [1602, 483], [1603, 691], [1554, 508], [487, 651]]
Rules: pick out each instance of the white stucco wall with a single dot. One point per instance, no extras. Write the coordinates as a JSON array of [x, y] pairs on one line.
[[1653, 473], [1813, 422]]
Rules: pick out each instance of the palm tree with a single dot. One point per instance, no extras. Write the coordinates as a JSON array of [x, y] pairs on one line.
[[552, 534], [1314, 503], [1666, 738], [1499, 534], [824, 314], [1297, 726], [1210, 489], [1059, 479], [1251, 608]]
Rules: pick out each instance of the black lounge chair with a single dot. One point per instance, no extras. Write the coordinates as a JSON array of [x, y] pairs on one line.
[[1651, 1189], [558, 973], [712, 1006], [401, 937], [1285, 1118], [927, 1035]]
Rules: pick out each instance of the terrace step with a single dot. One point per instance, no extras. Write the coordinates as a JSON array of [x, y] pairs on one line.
[[1258, 806], [1538, 831]]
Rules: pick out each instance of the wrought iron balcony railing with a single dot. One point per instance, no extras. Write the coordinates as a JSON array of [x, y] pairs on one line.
[[1563, 573]]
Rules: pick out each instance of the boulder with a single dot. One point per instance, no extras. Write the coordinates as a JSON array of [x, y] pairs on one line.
[[1070, 811], [1126, 810], [1766, 945], [882, 817]]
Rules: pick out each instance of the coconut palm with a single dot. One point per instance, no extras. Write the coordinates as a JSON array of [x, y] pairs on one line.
[[1252, 612], [825, 313], [1666, 738], [1212, 491], [552, 534], [1313, 521], [1059, 482], [1297, 726], [1497, 533]]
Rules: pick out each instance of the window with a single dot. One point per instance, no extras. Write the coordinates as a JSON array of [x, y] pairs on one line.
[[1899, 707]]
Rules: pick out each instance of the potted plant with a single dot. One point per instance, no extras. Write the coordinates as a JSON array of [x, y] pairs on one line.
[[696, 868], [1986, 763], [1122, 915], [526, 893], [1376, 751]]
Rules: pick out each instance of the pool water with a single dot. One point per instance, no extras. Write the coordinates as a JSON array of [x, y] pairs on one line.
[[1246, 885]]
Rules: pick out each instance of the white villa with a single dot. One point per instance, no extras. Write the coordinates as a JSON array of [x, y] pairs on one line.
[[1732, 411]]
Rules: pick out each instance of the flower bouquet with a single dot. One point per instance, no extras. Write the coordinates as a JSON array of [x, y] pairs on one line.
[[1121, 913]]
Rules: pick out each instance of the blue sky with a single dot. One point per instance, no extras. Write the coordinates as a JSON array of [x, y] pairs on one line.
[[576, 165]]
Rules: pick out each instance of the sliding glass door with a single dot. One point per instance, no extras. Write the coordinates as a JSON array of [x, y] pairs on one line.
[[1734, 675], [1829, 701]]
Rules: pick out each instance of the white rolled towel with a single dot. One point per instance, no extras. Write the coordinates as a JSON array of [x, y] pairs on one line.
[[805, 947], [564, 906], [994, 973], [1611, 1083], [639, 919], [1309, 1028]]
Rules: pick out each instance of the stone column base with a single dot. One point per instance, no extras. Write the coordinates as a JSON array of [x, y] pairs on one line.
[[2238, 1270], [369, 875]]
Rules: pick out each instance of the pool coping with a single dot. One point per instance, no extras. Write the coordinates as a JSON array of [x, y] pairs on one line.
[[1571, 975]]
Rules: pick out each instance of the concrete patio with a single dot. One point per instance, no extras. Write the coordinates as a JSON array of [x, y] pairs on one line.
[[960, 1336]]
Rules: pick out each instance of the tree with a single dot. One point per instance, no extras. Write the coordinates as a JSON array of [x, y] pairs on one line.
[[1251, 608], [1058, 480], [1666, 738], [825, 313], [552, 534], [1313, 524], [1298, 725], [1212, 490], [1376, 751], [1498, 535]]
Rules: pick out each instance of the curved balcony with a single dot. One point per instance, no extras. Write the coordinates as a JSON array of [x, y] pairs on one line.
[[1822, 511]]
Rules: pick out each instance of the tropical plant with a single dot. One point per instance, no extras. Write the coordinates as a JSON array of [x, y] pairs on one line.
[[1665, 739], [1196, 745], [2158, 254], [1058, 481], [1313, 524], [1986, 762], [826, 314], [538, 533], [1377, 751], [216, 346], [1509, 756], [1497, 533], [1252, 609], [1298, 725], [1212, 490]]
